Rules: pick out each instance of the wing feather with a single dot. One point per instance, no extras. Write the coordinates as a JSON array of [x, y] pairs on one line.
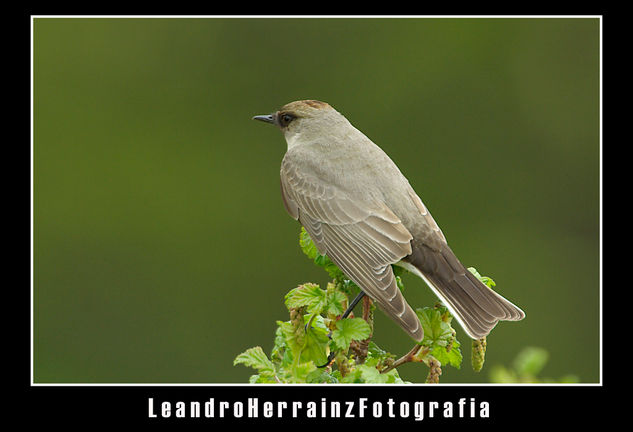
[[362, 237]]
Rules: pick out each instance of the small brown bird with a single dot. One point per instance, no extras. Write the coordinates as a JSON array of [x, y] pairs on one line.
[[362, 213]]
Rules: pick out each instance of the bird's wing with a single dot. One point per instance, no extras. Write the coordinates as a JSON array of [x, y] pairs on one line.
[[362, 238]]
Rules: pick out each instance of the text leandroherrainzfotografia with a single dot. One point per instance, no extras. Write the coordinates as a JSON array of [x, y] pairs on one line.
[[361, 408]]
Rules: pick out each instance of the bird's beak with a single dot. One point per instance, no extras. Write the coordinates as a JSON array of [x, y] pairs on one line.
[[265, 118]]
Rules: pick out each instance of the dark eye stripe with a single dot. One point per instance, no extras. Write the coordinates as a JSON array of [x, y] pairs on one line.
[[285, 119]]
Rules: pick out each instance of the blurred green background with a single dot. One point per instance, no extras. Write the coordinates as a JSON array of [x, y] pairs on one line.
[[161, 245]]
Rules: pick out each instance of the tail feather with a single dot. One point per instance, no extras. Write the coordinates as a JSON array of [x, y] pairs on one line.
[[475, 306]]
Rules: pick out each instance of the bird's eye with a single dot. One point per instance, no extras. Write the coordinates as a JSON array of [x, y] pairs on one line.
[[285, 119]]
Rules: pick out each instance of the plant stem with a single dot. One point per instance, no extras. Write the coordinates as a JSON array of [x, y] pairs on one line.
[[363, 346], [411, 356]]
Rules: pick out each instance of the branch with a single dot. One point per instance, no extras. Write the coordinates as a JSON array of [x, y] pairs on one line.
[[411, 356]]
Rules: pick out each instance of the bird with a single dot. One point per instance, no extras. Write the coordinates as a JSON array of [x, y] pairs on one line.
[[362, 212]]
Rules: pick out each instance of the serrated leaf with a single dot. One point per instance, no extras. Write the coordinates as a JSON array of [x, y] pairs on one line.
[[453, 357], [370, 374], [334, 271], [437, 332], [485, 279], [348, 287], [308, 294], [313, 345], [263, 379], [377, 353], [302, 370], [316, 321], [316, 345], [318, 376], [286, 360], [311, 251], [288, 333], [335, 301], [279, 348], [254, 379], [307, 246], [350, 329], [353, 377], [331, 268], [474, 271], [257, 359], [322, 260], [315, 340]]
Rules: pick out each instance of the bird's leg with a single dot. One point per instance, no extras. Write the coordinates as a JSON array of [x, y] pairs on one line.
[[350, 308], [348, 311], [353, 304]]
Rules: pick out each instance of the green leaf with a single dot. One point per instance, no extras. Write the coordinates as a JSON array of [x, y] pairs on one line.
[[530, 361], [308, 294], [485, 279], [332, 269], [500, 374], [302, 370], [354, 376], [311, 251], [453, 357], [329, 266], [349, 329], [527, 364], [316, 344], [320, 376], [439, 336], [263, 379], [347, 286], [335, 301], [307, 246], [309, 349], [437, 332], [287, 331], [279, 346], [399, 283], [374, 351], [322, 260], [370, 374], [257, 359]]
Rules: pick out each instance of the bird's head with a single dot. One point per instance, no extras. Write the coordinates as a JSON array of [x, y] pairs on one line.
[[305, 118]]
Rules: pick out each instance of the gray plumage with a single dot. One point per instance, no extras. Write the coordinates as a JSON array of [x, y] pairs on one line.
[[364, 215]]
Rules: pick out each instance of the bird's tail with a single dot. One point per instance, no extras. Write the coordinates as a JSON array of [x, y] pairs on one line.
[[476, 307]]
